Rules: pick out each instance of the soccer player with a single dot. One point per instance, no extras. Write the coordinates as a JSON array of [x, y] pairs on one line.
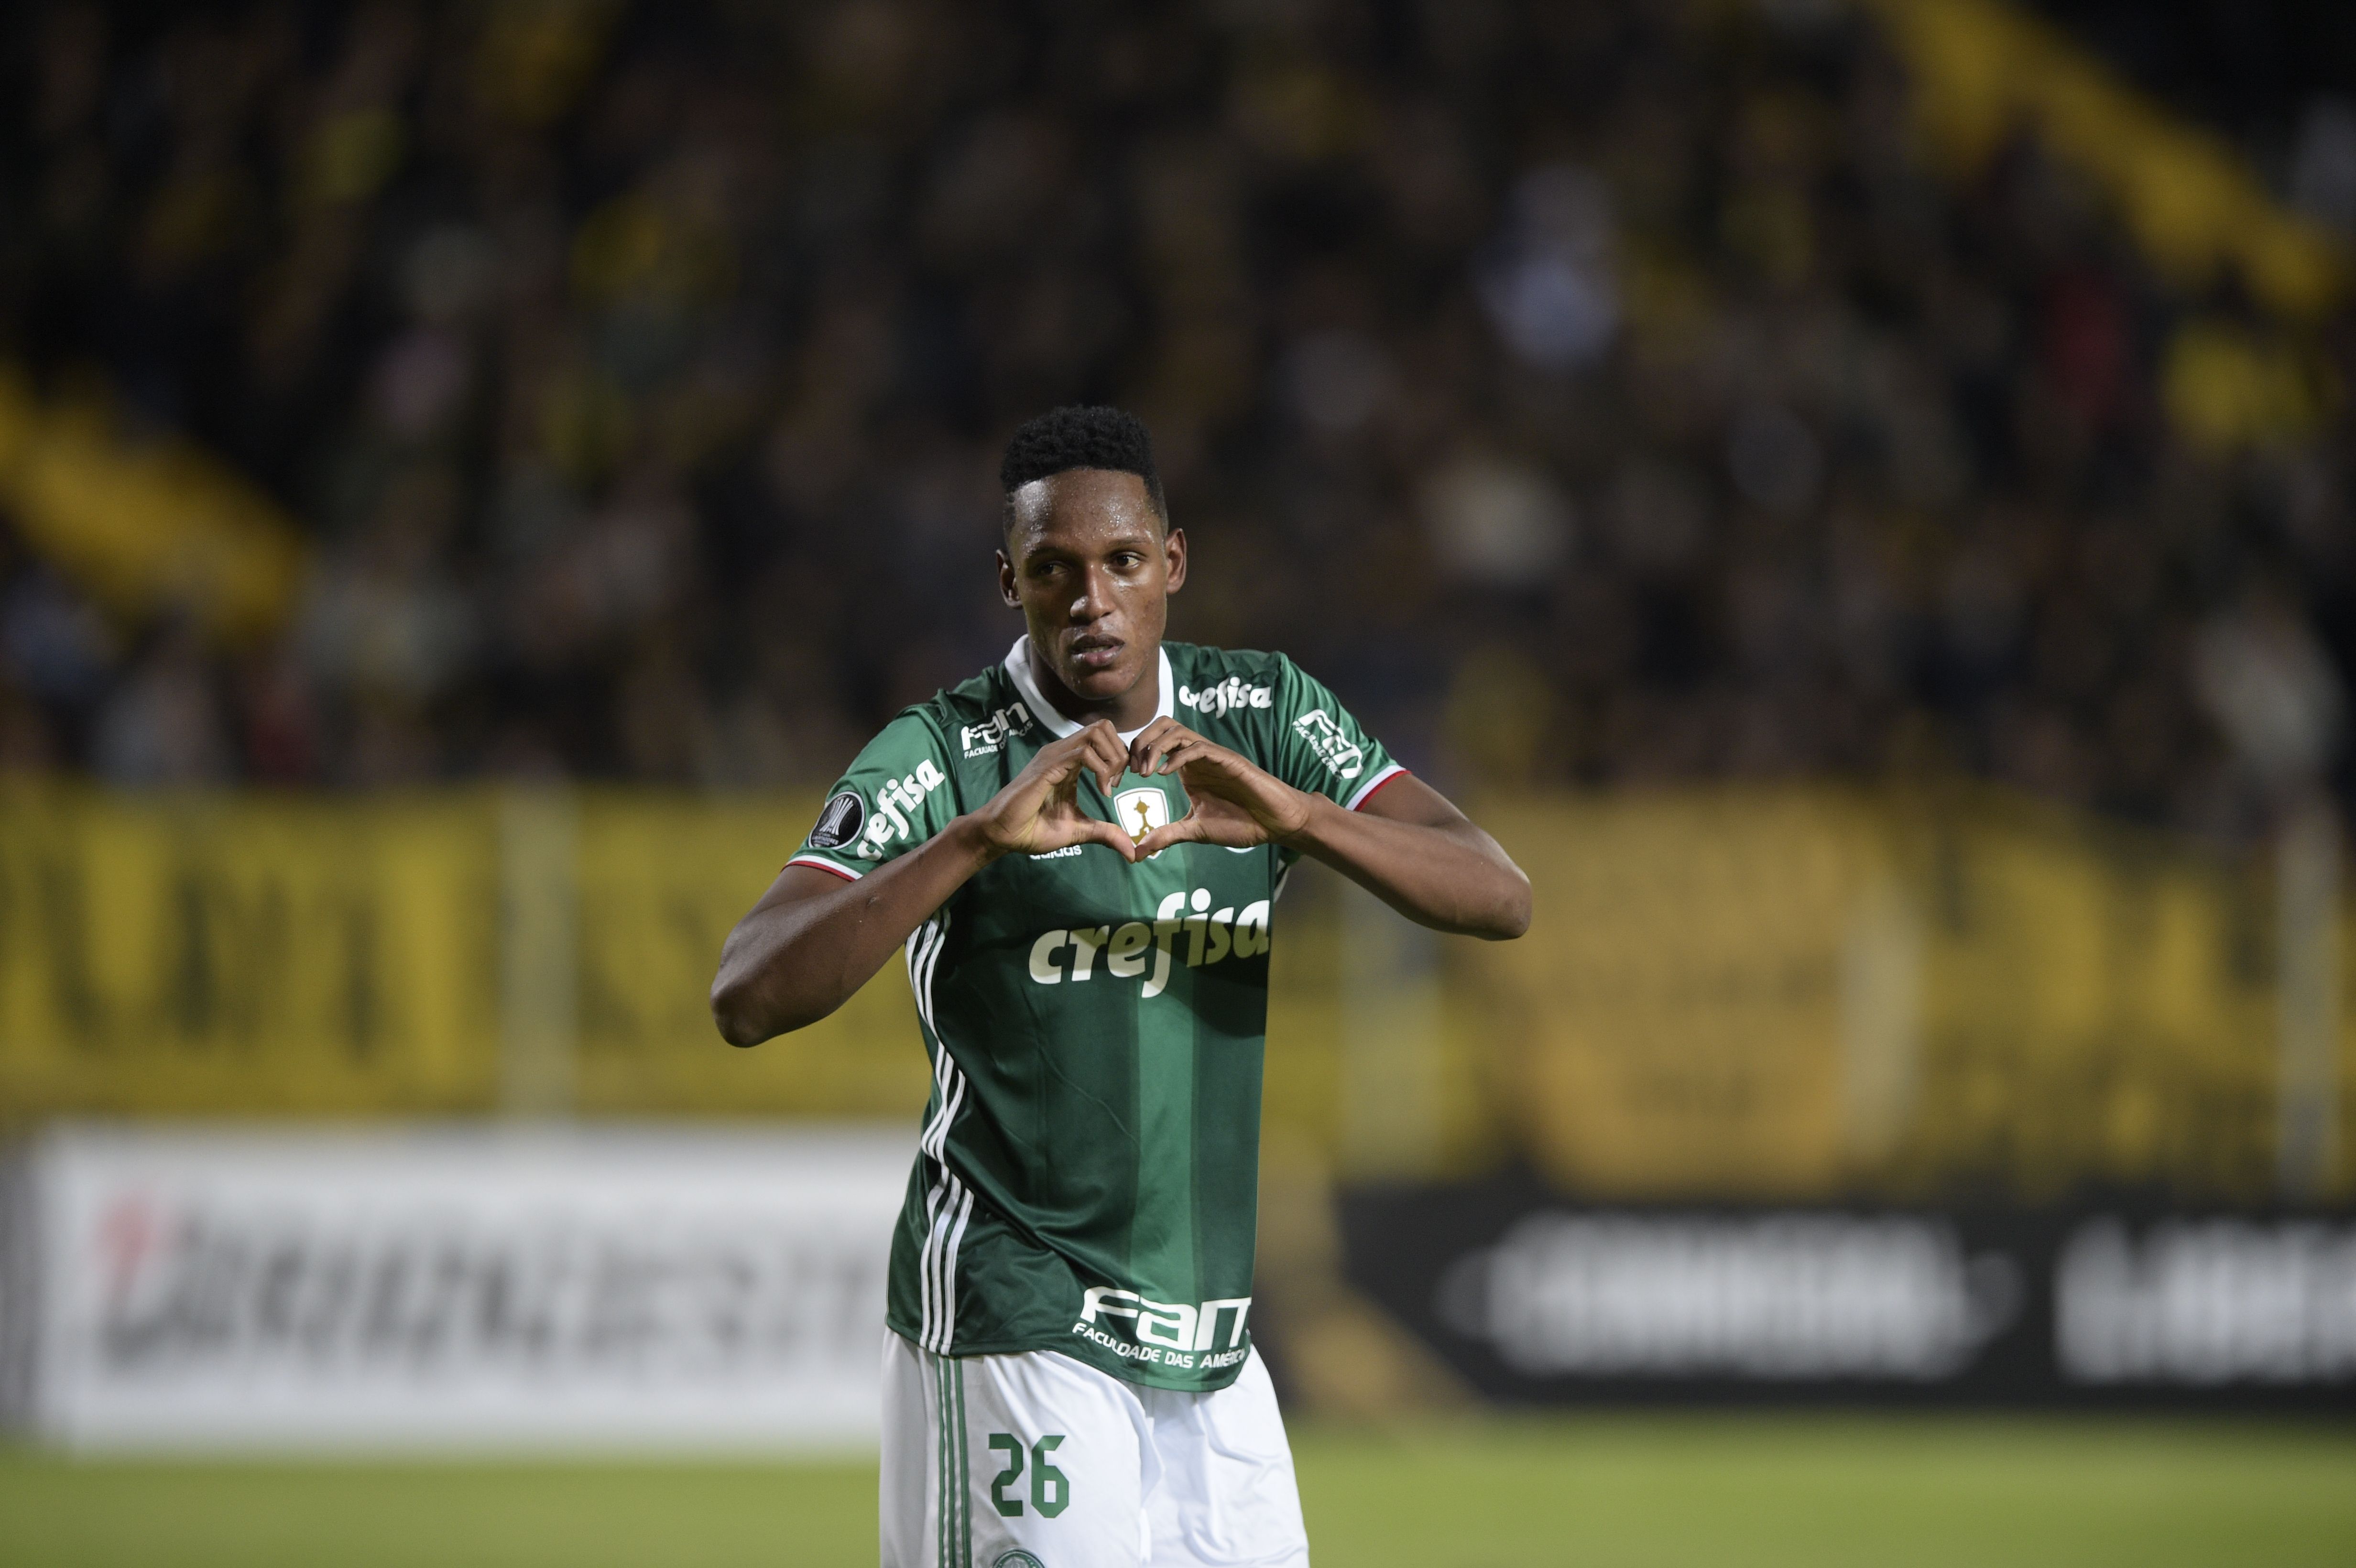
[[1079, 849]]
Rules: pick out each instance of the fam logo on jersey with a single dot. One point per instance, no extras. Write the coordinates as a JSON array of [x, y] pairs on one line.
[[839, 821], [1334, 749], [899, 808], [980, 739], [1228, 696], [1168, 1333], [1211, 935]]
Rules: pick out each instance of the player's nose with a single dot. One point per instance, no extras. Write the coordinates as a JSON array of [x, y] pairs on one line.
[[1096, 599]]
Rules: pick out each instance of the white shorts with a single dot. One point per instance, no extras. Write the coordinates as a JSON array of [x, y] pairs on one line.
[[1038, 1461]]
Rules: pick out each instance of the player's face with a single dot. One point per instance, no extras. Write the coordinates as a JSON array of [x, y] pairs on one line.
[[1090, 568]]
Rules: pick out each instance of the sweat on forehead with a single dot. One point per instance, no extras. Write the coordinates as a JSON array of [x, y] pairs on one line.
[[1090, 499]]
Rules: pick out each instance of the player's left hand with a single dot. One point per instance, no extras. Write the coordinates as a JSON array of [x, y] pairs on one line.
[[1235, 803]]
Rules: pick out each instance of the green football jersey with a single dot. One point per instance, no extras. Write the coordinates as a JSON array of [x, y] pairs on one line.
[[1087, 1174]]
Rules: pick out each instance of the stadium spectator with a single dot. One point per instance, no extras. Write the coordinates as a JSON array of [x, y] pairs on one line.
[[1631, 399]]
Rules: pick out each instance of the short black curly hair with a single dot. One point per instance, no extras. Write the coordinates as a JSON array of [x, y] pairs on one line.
[[1067, 438]]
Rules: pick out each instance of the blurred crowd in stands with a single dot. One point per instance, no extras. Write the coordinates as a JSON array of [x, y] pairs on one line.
[[1600, 394]]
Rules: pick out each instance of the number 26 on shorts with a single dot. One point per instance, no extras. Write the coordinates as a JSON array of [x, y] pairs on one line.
[[1049, 1490]]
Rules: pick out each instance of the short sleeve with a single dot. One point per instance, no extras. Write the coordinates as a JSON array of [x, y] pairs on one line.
[[1320, 748], [898, 794]]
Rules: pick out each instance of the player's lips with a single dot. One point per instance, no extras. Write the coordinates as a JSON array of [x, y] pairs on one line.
[[1095, 653]]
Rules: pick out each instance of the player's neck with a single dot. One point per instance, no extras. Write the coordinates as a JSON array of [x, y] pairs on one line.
[[1132, 709]]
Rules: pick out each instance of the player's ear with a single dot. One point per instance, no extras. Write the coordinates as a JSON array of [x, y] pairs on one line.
[[1174, 560], [1006, 581]]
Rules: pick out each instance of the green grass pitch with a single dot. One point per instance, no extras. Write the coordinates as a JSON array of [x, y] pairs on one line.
[[1600, 1491]]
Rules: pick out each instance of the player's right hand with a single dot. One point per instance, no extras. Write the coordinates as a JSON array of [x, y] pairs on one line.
[[1040, 809]]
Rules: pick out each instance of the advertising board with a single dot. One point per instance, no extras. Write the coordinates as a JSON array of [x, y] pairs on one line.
[[476, 1288], [1533, 1299]]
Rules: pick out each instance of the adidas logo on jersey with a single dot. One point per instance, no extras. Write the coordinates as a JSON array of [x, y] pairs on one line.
[[1229, 694], [1209, 935], [1170, 1332]]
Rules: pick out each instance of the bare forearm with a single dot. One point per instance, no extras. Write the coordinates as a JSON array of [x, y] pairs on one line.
[[795, 959], [1448, 875], [812, 940]]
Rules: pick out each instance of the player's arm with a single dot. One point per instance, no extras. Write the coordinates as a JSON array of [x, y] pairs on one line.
[[1405, 843], [1410, 846], [815, 937]]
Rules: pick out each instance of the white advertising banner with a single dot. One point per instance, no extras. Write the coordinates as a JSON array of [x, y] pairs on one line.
[[470, 1288]]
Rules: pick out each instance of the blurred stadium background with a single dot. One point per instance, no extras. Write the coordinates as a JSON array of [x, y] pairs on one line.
[[1857, 493]]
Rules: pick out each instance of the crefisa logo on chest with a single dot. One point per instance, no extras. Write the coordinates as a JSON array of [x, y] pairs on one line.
[[1185, 930]]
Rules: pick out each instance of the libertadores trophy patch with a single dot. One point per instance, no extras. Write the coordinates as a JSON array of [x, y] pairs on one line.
[[840, 822]]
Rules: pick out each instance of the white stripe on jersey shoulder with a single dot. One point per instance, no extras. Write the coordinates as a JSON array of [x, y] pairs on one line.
[[1018, 670], [844, 872], [1371, 785]]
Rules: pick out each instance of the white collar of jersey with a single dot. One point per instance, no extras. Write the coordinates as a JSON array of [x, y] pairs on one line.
[[1018, 669]]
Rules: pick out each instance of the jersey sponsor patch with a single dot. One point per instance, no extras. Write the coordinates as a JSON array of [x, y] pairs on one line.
[[1169, 1333], [900, 809], [981, 739], [839, 821], [1334, 748], [1229, 694], [1147, 953]]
